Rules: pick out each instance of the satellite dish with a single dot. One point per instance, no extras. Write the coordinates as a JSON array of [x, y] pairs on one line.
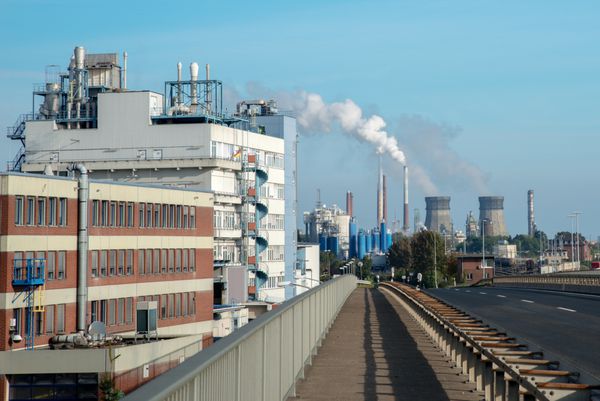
[[97, 330]]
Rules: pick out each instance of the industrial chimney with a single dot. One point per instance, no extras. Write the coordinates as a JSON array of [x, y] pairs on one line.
[[405, 227], [491, 215], [379, 195], [384, 186], [530, 216], [349, 203], [437, 216]]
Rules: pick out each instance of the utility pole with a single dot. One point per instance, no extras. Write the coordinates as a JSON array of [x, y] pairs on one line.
[[434, 260], [577, 236]]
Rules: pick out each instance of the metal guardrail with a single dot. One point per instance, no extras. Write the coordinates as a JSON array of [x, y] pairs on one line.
[[574, 282], [261, 361], [499, 366]]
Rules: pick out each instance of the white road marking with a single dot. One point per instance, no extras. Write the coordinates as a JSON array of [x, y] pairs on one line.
[[528, 301], [501, 296], [482, 292], [567, 309], [468, 291]]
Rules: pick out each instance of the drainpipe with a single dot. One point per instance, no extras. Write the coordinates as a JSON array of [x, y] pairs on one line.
[[82, 247]]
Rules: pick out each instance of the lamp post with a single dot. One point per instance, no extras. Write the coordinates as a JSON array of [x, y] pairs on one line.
[[572, 217], [483, 221]]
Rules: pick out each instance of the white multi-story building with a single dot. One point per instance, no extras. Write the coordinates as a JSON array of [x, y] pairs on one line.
[[180, 138]]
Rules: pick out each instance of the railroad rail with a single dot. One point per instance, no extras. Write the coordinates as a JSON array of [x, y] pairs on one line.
[[500, 366]]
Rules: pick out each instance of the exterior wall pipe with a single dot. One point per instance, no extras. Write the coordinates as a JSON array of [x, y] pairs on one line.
[[82, 247]]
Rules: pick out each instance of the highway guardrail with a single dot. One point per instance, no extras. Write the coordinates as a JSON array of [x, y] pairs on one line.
[[583, 283], [499, 365]]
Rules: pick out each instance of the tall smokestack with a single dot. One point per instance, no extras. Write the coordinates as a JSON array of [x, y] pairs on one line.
[[405, 227], [385, 215], [530, 216], [349, 204], [379, 194]]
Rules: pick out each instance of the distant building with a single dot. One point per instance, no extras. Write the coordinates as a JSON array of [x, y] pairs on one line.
[[470, 269], [327, 223], [504, 250], [471, 226]]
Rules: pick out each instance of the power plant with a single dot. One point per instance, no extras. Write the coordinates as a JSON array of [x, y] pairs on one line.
[[530, 217], [491, 215], [438, 214]]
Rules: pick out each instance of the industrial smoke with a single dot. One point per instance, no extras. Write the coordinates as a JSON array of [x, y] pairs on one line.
[[313, 114]]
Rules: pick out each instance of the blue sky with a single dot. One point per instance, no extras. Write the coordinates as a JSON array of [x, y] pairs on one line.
[[511, 89]]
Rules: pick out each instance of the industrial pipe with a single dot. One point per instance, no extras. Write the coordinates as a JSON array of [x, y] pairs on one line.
[[82, 246]]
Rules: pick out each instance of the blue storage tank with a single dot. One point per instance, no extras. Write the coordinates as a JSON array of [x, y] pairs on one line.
[[368, 242], [322, 243], [333, 245], [382, 237], [353, 241], [375, 240], [389, 240], [362, 244]]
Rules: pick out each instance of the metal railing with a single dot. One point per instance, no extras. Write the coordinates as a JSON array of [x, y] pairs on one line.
[[262, 360], [500, 367], [573, 282]]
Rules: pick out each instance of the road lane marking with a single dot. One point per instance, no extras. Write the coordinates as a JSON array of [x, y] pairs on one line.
[[528, 301], [567, 309], [501, 296], [468, 291], [482, 292]]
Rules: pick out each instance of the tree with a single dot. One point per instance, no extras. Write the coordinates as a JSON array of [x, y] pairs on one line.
[[400, 254], [424, 257]]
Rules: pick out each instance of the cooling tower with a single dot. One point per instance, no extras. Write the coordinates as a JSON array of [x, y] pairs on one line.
[[491, 215], [438, 214]]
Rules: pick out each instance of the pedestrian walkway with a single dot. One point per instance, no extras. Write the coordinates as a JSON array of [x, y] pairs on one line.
[[376, 351]]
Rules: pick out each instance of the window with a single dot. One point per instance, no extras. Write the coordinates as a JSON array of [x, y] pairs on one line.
[[141, 265], [103, 265], [163, 261], [163, 307], [185, 260], [171, 306], [177, 305], [51, 265], [95, 212], [41, 212], [39, 324], [49, 319], [171, 260], [192, 217], [148, 261], [94, 314], [122, 214], [142, 214], [113, 214], [112, 262], [157, 215], [178, 218], [129, 214], [30, 211], [94, 264], [103, 309], [156, 261], [17, 317], [129, 310], [165, 215], [62, 212], [171, 216], [121, 261], [149, 215], [192, 303], [111, 312], [62, 273], [184, 304], [186, 212], [19, 210], [18, 264], [177, 260], [52, 211], [121, 311], [60, 318], [129, 262], [192, 260], [104, 213]]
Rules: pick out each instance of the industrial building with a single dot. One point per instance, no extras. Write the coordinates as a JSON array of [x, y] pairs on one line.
[[329, 226], [437, 216], [179, 138], [78, 254]]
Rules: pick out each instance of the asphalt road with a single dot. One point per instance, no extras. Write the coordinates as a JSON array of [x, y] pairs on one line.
[[565, 326]]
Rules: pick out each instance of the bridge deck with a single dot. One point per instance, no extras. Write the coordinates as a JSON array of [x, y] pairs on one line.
[[376, 351]]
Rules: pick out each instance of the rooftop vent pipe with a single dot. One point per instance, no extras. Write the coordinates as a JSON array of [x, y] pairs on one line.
[[194, 79]]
